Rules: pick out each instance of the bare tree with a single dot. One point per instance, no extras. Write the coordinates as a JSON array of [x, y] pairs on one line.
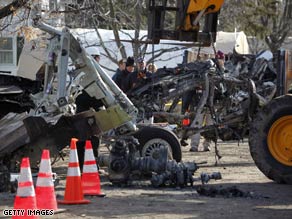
[[9, 12], [269, 20], [12, 7], [122, 16]]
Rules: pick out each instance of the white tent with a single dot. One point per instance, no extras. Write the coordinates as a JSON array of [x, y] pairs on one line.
[[89, 37], [225, 42]]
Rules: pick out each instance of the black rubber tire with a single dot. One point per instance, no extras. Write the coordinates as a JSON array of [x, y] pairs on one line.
[[258, 133], [147, 133]]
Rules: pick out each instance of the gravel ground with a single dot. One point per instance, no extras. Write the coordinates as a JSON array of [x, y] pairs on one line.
[[243, 192]]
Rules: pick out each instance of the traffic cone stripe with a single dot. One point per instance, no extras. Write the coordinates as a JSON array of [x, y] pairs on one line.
[[73, 171], [89, 162], [90, 168], [46, 167], [46, 175], [73, 164], [25, 184], [89, 156], [25, 175], [25, 191], [44, 182], [73, 156]]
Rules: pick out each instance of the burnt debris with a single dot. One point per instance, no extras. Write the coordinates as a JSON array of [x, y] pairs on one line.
[[232, 96]]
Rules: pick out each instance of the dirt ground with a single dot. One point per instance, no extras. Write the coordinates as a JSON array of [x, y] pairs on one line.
[[247, 193]]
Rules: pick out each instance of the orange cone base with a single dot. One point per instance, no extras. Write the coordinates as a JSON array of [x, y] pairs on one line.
[[75, 202], [73, 192], [46, 198], [25, 203], [91, 184]]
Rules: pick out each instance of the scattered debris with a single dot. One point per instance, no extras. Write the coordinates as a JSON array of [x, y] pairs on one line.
[[226, 192], [205, 178], [123, 164]]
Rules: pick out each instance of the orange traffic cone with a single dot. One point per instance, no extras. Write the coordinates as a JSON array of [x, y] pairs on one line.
[[25, 198], [73, 190], [90, 176], [45, 192]]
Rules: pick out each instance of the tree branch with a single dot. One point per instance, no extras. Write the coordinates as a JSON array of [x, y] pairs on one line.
[[109, 55], [116, 32], [162, 51], [12, 7]]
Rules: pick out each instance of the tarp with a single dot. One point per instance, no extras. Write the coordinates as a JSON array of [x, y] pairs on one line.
[[89, 38], [225, 42]]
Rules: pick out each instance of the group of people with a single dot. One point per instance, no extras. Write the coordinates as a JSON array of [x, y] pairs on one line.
[[128, 77]]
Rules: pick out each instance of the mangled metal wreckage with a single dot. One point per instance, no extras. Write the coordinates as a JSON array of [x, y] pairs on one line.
[[90, 105], [57, 113], [230, 96]]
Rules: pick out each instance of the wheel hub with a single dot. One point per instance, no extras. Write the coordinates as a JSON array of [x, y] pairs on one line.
[[280, 140], [151, 148]]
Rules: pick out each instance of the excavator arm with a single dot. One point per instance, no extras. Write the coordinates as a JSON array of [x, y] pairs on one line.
[[195, 20]]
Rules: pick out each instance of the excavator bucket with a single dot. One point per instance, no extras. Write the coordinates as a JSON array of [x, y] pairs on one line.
[[187, 16]]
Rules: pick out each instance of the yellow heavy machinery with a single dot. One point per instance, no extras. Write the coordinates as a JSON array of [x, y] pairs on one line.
[[195, 21], [270, 137]]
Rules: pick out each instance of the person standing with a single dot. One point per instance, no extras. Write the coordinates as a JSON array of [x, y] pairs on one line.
[[139, 76], [120, 69], [221, 58], [151, 68], [190, 100], [141, 64], [122, 79], [94, 52]]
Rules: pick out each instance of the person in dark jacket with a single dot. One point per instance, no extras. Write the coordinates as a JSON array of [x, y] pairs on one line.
[[121, 79], [139, 76], [122, 66]]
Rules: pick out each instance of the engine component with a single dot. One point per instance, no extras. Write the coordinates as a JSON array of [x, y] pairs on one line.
[[176, 174], [119, 166], [205, 177], [122, 162]]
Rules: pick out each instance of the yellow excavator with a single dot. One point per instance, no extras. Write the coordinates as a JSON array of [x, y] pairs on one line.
[[195, 21]]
